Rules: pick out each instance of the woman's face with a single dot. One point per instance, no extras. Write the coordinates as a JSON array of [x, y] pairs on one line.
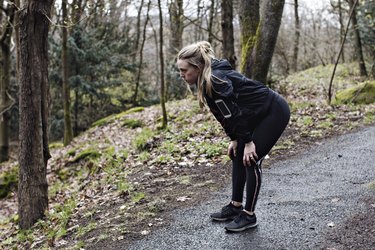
[[188, 72]]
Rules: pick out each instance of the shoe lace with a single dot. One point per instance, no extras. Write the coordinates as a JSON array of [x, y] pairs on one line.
[[226, 210]]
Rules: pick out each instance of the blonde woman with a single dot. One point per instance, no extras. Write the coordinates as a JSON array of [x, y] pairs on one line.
[[252, 115]]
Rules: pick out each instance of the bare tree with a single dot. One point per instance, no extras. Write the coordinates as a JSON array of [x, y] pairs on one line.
[[161, 56], [227, 31], [297, 28], [68, 131], [174, 86], [211, 21], [138, 78], [33, 103], [5, 101], [352, 10]]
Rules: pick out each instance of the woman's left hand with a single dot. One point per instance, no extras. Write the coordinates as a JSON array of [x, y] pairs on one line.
[[249, 155]]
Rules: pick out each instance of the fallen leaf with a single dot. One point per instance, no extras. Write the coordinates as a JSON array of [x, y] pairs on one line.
[[183, 198], [145, 232]]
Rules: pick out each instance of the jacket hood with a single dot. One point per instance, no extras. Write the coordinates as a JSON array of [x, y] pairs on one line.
[[221, 64]]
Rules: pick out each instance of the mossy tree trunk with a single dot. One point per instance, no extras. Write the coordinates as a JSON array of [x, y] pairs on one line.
[[33, 104], [357, 39], [5, 101], [259, 36], [227, 30]]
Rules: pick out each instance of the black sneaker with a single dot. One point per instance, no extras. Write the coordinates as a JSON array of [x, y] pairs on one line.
[[241, 222], [228, 212]]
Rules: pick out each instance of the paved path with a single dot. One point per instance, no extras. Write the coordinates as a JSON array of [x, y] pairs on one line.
[[301, 201]]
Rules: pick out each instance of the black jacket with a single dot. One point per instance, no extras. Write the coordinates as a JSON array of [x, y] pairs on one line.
[[248, 101]]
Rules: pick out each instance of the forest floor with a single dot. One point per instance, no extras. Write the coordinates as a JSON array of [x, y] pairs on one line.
[[121, 180]]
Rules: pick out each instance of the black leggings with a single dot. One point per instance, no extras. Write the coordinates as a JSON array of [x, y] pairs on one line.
[[265, 136]]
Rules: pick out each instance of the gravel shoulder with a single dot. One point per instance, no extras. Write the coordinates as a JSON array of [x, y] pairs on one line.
[[321, 199]]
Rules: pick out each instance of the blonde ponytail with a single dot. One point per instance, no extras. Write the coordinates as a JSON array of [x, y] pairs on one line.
[[200, 55]]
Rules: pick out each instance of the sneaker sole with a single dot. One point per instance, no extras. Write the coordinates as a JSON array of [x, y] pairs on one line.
[[223, 219], [242, 228]]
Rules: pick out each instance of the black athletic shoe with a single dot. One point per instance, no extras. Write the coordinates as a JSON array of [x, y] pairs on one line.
[[242, 222], [228, 212]]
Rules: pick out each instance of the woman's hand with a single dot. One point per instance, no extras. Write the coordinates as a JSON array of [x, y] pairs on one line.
[[249, 155], [232, 149]]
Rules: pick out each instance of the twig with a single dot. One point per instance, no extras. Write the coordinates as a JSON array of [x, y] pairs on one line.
[[338, 56], [9, 106]]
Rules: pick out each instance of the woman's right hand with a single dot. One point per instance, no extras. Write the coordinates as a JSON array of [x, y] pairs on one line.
[[232, 149]]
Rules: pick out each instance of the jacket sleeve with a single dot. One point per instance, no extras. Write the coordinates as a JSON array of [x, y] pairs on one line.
[[237, 126]]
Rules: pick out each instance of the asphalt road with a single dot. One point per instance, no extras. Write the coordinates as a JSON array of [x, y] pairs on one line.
[[302, 199]]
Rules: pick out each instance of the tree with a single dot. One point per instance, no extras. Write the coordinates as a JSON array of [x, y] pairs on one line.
[[68, 131], [5, 100], [175, 87], [161, 56], [211, 22], [142, 45], [297, 35], [357, 40], [227, 31], [136, 46], [259, 35], [33, 102]]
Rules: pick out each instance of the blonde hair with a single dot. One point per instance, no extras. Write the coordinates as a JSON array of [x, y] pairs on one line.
[[200, 55]]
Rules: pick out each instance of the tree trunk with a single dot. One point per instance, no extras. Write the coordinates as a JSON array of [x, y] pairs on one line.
[[297, 35], [358, 43], [141, 55], [135, 49], [259, 38], [5, 102], [33, 104], [211, 21], [227, 31], [175, 87], [161, 56], [75, 67], [249, 21], [68, 131], [342, 29]]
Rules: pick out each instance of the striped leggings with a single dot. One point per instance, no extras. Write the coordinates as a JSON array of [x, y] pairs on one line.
[[265, 136]]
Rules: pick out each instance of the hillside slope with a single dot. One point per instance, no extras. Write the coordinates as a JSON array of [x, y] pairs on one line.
[[119, 179]]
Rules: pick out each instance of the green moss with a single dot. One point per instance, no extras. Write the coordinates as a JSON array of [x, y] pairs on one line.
[[56, 145], [72, 152], [134, 110], [87, 154], [363, 93], [103, 121], [132, 123], [129, 111]]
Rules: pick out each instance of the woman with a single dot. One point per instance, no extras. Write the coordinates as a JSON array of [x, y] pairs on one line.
[[252, 115]]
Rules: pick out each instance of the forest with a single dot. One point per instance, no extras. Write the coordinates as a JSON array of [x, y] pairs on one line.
[[72, 67]]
